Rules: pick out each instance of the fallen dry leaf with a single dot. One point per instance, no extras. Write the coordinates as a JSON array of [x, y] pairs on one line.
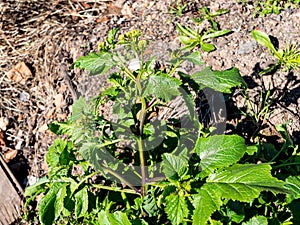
[[10, 155], [20, 73]]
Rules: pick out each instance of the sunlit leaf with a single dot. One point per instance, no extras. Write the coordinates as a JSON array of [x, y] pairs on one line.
[[221, 81]]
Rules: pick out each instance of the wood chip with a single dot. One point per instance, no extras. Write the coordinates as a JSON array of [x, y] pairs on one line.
[[20, 73], [10, 155]]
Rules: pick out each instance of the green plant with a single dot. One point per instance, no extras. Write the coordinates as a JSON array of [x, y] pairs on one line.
[[287, 58], [205, 14], [192, 38], [138, 169], [178, 7], [265, 7]]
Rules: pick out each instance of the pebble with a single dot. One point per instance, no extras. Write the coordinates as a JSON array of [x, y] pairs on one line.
[[4, 122], [246, 48], [24, 97]]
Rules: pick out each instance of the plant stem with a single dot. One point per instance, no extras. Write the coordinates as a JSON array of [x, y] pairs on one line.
[[143, 167], [117, 189], [286, 164], [115, 174]]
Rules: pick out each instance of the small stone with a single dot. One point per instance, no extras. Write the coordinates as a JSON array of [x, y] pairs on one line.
[[4, 122], [247, 48], [24, 97]]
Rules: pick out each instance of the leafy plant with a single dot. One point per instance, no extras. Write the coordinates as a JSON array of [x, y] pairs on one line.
[[193, 38], [205, 14], [265, 7], [178, 7], [287, 58], [135, 167]]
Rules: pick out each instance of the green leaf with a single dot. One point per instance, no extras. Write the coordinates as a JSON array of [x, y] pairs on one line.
[[207, 47], [185, 40], [293, 185], [173, 165], [264, 40], [81, 202], [244, 182], [257, 220], [176, 208], [118, 218], [186, 31], [206, 202], [46, 209], [219, 151], [216, 34], [162, 86], [103, 218], [59, 202], [221, 81], [194, 57], [96, 63], [39, 185], [239, 182], [111, 35]]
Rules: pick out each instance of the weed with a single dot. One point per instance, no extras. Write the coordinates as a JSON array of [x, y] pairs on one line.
[[138, 169], [287, 59]]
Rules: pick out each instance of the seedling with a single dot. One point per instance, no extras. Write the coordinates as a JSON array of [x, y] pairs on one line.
[[205, 14], [287, 59], [192, 38], [178, 8]]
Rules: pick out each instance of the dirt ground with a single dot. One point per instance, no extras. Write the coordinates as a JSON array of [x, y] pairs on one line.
[[39, 40]]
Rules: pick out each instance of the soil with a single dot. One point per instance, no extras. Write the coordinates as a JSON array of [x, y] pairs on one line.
[[41, 39]]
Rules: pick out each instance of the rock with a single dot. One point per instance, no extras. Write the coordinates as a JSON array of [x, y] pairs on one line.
[[4, 122], [247, 48]]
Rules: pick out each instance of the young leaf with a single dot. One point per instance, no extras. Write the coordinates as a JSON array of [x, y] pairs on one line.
[[96, 63], [220, 151], [264, 40], [176, 208], [216, 34], [39, 185], [163, 87], [82, 202], [206, 202], [258, 220], [59, 202], [46, 209], [173, 165], [207, 47], [194, 57], [221, 81]]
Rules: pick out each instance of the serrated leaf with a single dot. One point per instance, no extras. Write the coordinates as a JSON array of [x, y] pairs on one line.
[[95, 63], [219, 151], [244, 182], [173, 165], [257, 220], [263, 39], [163, 87], [194, 57], [81, 202], [176, 208], [206, 202], [46, 209], [221, 81], [59, 202], [239, 182]]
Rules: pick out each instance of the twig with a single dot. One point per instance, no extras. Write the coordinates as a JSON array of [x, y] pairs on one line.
[[74, 93]]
